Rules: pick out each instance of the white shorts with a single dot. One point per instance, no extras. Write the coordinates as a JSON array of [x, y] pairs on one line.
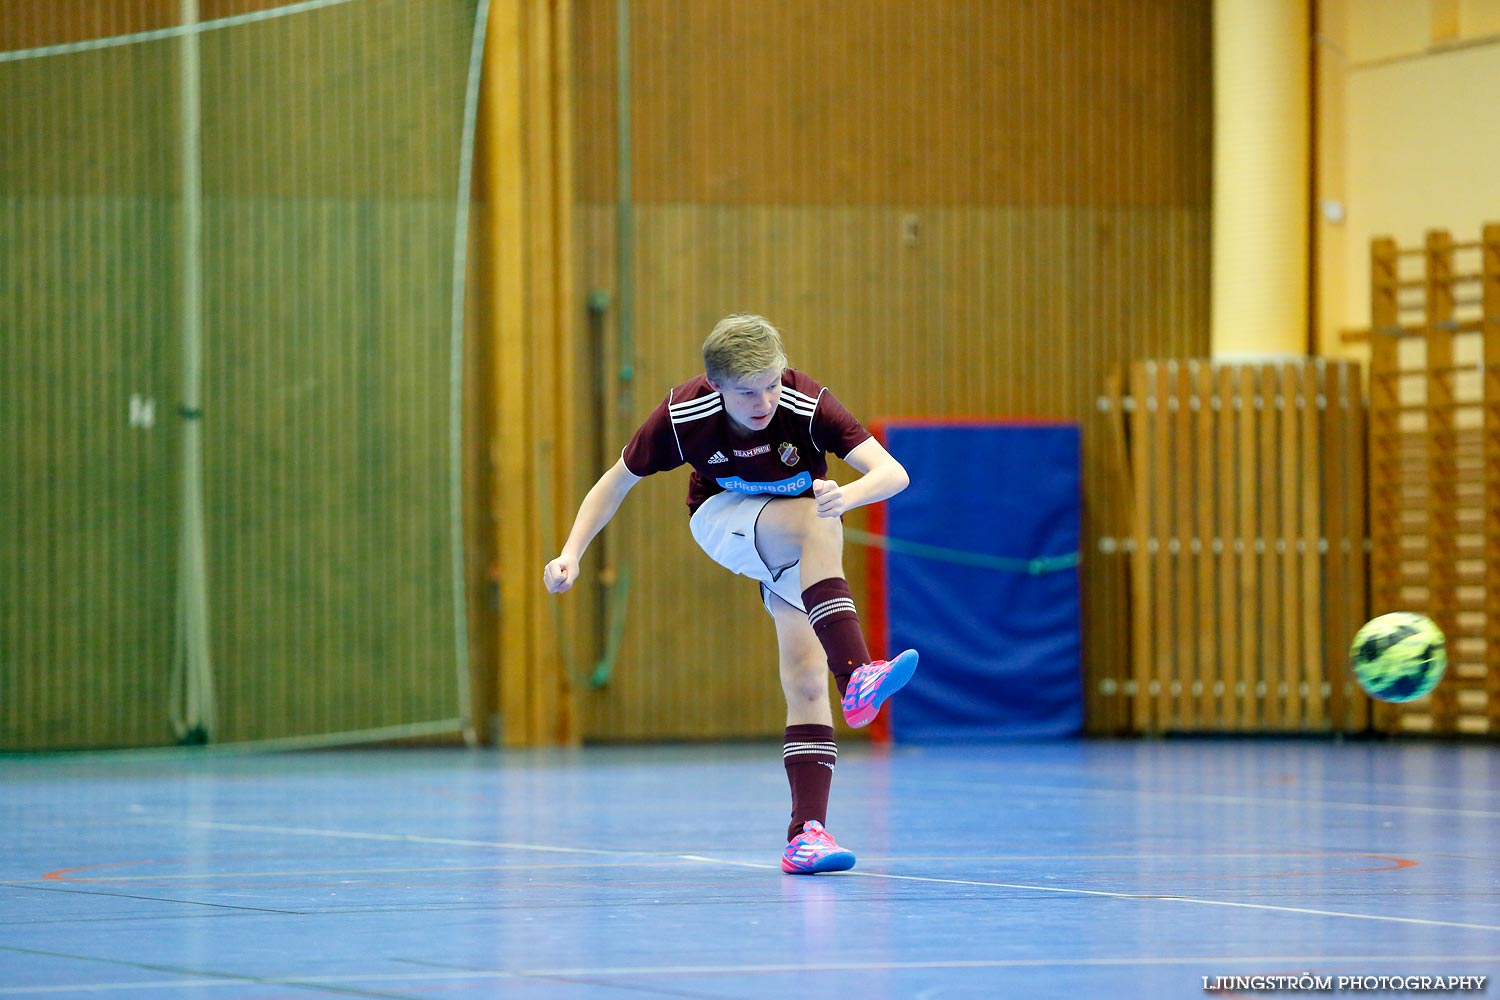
[[724, 527]]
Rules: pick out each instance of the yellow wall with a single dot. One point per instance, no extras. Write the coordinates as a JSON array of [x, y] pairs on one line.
[[1260, 242], [1410, 137]]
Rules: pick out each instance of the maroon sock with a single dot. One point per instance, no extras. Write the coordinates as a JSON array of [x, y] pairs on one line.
[[809, 754], [830, 609]]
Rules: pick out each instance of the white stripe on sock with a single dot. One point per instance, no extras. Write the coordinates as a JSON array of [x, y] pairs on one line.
[[823, 750], [831, 606]]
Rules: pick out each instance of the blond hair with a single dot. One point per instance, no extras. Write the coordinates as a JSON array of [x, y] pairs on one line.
[[742, 345]]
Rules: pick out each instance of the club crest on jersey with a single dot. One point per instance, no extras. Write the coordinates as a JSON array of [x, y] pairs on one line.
[[788, 453]]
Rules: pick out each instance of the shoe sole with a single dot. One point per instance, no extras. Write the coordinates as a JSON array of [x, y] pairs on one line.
[[902, 669], [840, 861]]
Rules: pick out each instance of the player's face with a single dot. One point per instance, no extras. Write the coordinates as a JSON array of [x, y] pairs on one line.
[[751, 401]]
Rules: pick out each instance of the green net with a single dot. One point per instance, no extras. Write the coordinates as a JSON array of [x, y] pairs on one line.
[[229, 255]]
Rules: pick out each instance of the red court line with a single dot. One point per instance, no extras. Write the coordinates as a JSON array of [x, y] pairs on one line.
[[62, 874], [1396, 864], [876, 621]]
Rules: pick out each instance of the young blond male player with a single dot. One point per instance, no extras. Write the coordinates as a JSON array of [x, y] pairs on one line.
[[755, 433]]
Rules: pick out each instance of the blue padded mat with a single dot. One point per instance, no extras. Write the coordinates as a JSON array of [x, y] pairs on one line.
[[981, 578]]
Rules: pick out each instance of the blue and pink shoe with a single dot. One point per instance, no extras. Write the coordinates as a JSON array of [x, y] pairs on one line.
[[813, 851], [871, 684]]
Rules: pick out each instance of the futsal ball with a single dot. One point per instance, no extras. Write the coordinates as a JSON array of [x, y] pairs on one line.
[[1399, 657]]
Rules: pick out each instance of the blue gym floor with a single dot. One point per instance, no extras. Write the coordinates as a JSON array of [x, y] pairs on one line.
[[1074, 869]]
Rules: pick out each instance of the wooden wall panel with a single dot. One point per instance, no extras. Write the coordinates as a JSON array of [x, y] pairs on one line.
[[891, 102], [1433, 459], [88, 473], [949, 209], [330, 156], [1246, 559], [327, 474], [306, 133], [969, 320], [93, 123], [30, 24], [90, 363], [371, 131]]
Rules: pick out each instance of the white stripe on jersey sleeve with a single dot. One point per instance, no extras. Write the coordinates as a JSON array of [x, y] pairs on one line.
[[695, 409], [801, 409], [675, 436], [803, 405], [797, 396]]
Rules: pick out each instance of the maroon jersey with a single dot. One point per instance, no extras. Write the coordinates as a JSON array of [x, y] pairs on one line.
[[690, 426]]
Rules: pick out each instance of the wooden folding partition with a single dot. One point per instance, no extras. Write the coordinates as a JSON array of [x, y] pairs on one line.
[[1435, 465], [1246, 544]]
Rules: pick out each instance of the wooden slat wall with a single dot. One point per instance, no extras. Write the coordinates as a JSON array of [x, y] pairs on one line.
[[1246, 549], [29, 24], [880, 102], [88, 488], [130, 94], [1435, 465], [88, 497], [330, 144], [327, 472], [33, 23], [1490, 305], [949, 208]]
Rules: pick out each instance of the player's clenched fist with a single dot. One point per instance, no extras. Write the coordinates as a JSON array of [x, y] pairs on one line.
[[830, 497], [560, 574]]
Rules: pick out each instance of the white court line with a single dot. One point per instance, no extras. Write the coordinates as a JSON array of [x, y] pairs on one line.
[[624, 971], [663, 859], [1212, 798], [405, 838], [455, 869], [1040, 772], [1131, 895], [416, 839]]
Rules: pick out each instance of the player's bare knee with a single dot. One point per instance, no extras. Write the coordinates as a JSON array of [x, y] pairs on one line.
[[804, 682], [829, 530]]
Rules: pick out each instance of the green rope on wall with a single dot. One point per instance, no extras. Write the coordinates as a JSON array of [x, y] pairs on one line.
[[1033, 567]]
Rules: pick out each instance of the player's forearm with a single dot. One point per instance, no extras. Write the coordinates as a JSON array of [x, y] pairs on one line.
[[593, 514], [880, 483], [598, 508]]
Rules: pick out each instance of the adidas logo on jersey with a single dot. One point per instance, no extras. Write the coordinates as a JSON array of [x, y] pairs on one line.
[[717, 458]]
